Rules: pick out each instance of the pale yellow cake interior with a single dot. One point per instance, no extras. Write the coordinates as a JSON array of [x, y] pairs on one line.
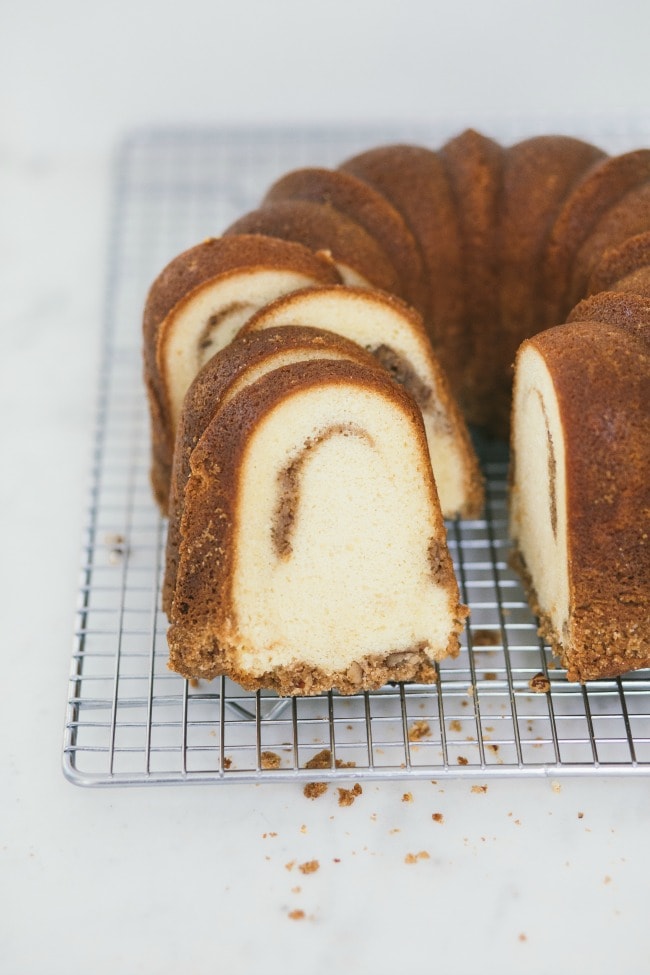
[[206, 321], [350, 572], [372, 324], [538, 514]]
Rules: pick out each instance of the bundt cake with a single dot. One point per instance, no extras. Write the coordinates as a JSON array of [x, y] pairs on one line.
[[580, 492], [395, 335], [491, 246], [313, 552]]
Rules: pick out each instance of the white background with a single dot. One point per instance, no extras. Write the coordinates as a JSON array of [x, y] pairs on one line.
[[195, 880]]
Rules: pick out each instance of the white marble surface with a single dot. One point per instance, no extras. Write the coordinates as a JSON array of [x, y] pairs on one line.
[[532, 875]]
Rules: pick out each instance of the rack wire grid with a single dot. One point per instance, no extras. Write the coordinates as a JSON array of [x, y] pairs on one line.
[[131, 721]]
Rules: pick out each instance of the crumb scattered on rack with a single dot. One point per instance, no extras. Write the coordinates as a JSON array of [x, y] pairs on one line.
[[297, 915], [415, 857], [407, 797], [479, 788], [539, 684], [485, 638], [438, 818], [462, 760], [270, 760], [455, 725], [419, 730]]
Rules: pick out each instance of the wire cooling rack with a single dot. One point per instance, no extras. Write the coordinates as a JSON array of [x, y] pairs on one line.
[[132, 721]]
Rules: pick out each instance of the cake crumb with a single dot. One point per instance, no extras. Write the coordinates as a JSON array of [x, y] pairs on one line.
[[539, 684], [193, 682], [310, 866], [581, 815], [485, 638], [314, 789], [419, 730], [479, 788], [407, 797], [290, 865], [296, 890], [322, 759], [303, 828], [227, 762], [270, 760], [347, 796], [462, 760], [523, 937], [455, 725], [414, 857], [556, 787], [607, 880], [297, 915], [489, 675], [437, 818]]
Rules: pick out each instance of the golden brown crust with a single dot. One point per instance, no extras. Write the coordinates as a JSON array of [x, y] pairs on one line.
[[627, 218], [323, 229], [204, 398], [180, 279], [361, 203], [474, 167], [537, 176], [414, 180], [630, 311], [617, 262], [201, 611], [602, 186], [601, 377]]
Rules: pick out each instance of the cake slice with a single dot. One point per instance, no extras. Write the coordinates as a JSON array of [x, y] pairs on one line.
[[195, 307], [580, 493], [395, 334], [371, 210], [242, 362], [313, 552], [358, 257]]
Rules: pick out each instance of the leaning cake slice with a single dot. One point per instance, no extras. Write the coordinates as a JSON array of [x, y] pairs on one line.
[[195, 307], [580, 493], [313, 552], [396, 336]]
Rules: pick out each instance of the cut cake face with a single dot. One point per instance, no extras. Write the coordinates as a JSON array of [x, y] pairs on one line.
[[580, 493], [313, 552]]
